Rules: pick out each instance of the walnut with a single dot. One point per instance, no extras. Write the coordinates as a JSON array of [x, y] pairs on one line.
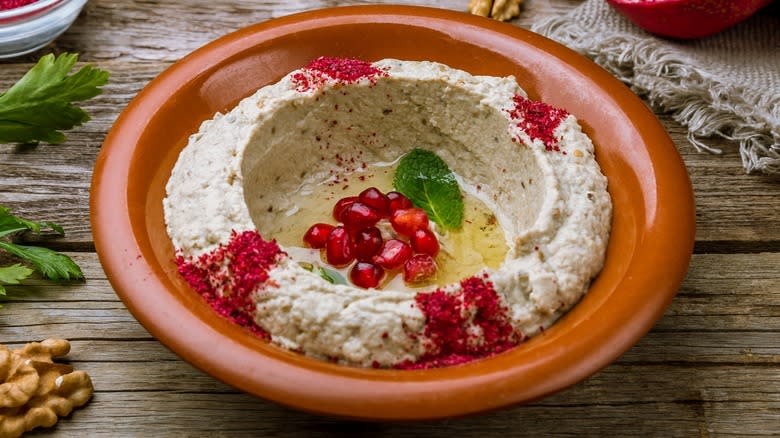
[[502, 10], [35, 391], [480, 7]]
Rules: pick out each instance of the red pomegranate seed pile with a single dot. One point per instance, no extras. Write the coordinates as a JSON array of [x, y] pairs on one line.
[[357, 239]]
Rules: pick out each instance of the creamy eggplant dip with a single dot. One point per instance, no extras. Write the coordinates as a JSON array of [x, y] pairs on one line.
[[246, 180]]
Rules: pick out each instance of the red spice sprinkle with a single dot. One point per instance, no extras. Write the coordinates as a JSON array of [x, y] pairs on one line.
[[463, 326], [538, 119], [6, 5], [341, 70], [228, 276]]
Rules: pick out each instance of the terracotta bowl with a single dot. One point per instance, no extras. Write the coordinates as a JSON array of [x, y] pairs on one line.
[[648, 254]]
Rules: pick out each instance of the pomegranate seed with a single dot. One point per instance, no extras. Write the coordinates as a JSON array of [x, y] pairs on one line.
[[420, 268], [367, 243], [338, 248], [359, 215], [376, 200], [317, 235], [366, 275], [398, 201], [342, 205], [393, 254], [407, 221], [425, 242]]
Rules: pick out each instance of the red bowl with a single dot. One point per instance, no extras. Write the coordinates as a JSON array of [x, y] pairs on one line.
[[687, 18], [647, 257]]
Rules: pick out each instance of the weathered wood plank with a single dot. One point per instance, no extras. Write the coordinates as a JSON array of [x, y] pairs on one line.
[[616, 384], [185, 414], [154, 31], [684, 347]]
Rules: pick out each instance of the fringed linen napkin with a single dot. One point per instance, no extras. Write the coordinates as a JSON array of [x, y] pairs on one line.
[[725, 85]]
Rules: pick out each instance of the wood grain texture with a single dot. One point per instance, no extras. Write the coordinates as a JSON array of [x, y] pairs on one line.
[[710, 366]]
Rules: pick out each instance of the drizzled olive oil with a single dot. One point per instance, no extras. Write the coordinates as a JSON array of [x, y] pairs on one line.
[[478, 243]]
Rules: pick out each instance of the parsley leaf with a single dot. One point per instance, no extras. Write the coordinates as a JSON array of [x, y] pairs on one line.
[[10, 224], [51, 264], [13, 275], [429, 183], [39, 106]]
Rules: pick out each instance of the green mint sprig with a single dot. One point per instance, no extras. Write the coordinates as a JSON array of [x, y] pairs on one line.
[[429, 183]]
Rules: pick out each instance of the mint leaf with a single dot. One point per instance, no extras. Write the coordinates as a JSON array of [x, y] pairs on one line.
[[426, 180], [331, 276], [40, 104], [13, 275]]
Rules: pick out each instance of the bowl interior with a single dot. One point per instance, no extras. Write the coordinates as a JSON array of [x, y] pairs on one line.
[[648, 253]]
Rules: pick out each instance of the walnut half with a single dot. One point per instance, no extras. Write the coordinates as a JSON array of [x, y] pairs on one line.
[[34, 390], [502, 10]]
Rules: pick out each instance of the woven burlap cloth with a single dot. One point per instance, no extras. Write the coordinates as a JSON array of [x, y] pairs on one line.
[[725, 85]]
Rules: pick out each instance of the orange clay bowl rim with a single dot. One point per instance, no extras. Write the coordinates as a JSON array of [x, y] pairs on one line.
[[647, 258]]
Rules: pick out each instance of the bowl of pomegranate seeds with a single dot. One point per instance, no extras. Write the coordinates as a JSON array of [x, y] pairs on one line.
[[436, 227], [28, 25]]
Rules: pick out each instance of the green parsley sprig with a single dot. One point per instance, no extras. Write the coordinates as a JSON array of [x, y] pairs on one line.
[[40, 105], [37, 108], [51, 264]]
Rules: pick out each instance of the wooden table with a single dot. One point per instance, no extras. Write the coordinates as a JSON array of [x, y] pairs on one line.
[[711, 365]]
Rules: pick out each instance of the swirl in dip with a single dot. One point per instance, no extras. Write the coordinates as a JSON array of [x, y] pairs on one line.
[[328, 130]]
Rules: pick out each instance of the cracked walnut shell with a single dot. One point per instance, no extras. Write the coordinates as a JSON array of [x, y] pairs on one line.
[[501, 10], [35, 391]]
